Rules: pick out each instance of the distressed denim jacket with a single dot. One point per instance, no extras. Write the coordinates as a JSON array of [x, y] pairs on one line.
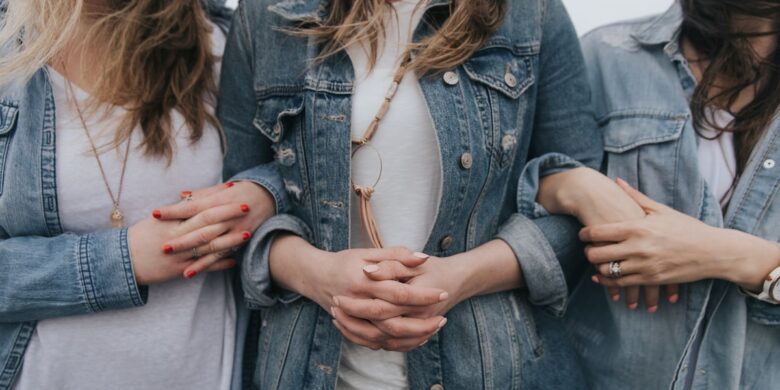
[[714, 338], [522, 97], [44, 271]]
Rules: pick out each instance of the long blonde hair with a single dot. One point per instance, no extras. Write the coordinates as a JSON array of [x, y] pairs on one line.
[[468, 25], [155, 58]]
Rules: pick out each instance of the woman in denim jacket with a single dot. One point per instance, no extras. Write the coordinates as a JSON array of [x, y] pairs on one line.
[[492, 89], [688, 105], [75, 244]]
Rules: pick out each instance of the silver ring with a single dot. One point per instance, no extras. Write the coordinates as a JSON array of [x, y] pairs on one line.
[[195, 253], [188, 198], [614, 270]]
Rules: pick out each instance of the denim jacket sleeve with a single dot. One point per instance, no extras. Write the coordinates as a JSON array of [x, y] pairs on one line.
[[565, 136], [249, 155], [259, 291], [66, 275]]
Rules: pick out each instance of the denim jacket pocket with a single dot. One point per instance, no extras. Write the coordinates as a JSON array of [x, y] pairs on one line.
[[8, 117], [629, 130], [504, 72], [648, 140], [279, 118]]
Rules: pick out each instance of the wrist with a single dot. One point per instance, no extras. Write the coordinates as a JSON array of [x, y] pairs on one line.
[[466, 274], [570, 192], [291, 261], [747, 259]]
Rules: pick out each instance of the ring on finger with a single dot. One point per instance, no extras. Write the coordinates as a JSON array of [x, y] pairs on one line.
[[195, 253], [614, 270]]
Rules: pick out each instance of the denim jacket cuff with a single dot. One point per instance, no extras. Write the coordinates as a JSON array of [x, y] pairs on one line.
[[106, 272], [542, 272], [267, 176], [259, 290], [534, 171]]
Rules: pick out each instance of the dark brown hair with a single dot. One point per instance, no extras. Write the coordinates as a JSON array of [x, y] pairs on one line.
[[466, 28], [713, 28]]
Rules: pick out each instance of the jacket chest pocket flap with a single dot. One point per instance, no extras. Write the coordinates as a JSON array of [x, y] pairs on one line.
[[8, 117], [272, 112], [644, 150], [625, 132]]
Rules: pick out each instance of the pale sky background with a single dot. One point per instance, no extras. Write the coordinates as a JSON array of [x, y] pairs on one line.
[[588, 14]]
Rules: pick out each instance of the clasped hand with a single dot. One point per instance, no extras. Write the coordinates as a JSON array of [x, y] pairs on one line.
[[198, 234], [390, 299]]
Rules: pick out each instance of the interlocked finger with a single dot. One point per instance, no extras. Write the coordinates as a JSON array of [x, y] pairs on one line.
[[391, 270], [213, 216], [407, 327], [197, 239]]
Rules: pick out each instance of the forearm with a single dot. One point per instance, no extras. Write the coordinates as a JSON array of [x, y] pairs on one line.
[[587, 195], [489, 268]]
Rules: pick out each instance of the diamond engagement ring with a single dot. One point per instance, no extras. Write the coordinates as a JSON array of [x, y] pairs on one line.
[[614, 270]]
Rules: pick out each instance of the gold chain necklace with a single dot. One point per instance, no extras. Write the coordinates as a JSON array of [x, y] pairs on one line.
[[117, 217], [365, 192]]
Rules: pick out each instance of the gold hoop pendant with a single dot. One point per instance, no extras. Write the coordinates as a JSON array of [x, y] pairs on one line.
[[357, 147]]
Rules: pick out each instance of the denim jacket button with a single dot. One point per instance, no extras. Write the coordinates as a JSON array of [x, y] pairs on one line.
[[437, 387], [277, 129], [466, 160], [769, 164], [451, 78], [446, 243], [510, 80]]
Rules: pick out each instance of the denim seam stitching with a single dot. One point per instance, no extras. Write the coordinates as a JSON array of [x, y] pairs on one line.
[[87, 284]]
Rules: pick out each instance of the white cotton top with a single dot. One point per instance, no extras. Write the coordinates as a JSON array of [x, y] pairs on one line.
[[184, 337], [408, 193], [717, 157]]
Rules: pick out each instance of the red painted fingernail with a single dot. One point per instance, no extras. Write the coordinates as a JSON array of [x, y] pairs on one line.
[[633, 306], [185, 194], [246, 235], [156, 214], [674, 298], [652, 309], [245, 208], [190, 274], [168, 249], [231, 264], [229, 184]]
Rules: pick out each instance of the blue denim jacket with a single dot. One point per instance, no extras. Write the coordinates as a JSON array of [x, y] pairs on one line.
[[642, 85], [44, 271], [522, 96]]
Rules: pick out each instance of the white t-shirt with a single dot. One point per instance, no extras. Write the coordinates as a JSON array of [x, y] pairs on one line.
[[717, 157], [184, 337], [407, 195]]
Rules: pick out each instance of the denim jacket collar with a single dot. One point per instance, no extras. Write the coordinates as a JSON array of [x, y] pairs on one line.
[[661, 30], [314, 10]]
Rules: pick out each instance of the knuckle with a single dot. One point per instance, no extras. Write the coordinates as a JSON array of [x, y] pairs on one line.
[[375, 336], [402, 295], [376, 311], [203, 237]]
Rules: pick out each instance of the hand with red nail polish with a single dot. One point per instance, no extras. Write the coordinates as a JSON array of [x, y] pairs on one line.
[[156, 261], [217, 220]]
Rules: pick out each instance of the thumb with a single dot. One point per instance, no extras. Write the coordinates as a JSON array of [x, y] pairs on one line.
[[641, 199]]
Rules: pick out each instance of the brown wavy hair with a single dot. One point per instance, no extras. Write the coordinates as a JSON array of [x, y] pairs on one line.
[[718, 32], [467, 25], [156, 59]]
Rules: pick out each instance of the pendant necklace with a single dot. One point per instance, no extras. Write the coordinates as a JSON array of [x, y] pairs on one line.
[[117, 218]]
